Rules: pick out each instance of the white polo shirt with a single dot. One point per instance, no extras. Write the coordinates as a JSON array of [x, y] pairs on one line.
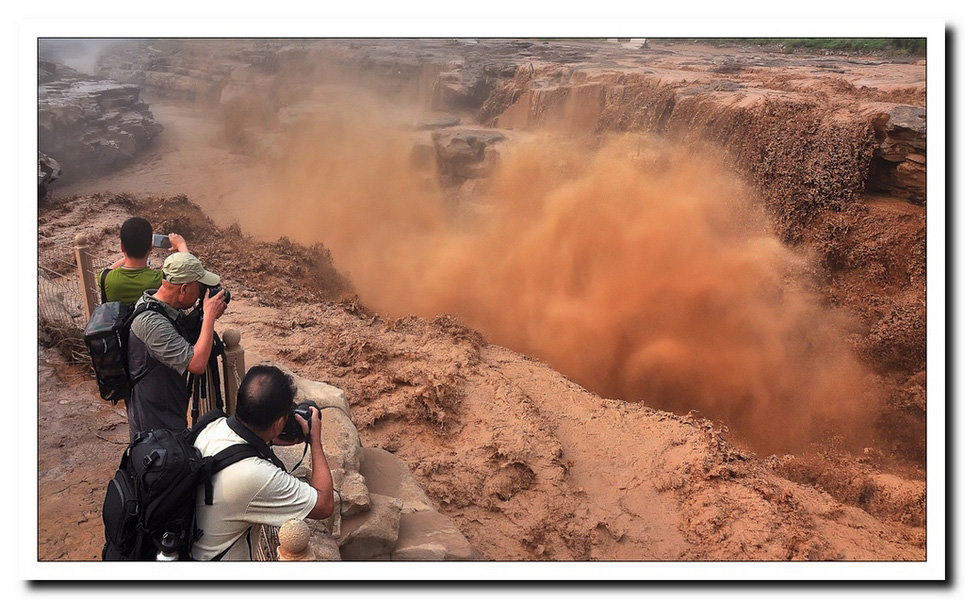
[[250, 493]]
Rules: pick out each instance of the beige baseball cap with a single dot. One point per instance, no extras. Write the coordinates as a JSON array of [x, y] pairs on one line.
[[182, 267]]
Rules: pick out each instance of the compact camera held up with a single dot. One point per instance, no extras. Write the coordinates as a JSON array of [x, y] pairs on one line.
[[293, 430]]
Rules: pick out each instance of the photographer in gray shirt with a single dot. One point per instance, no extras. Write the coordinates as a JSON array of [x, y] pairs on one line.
[[159, 356]]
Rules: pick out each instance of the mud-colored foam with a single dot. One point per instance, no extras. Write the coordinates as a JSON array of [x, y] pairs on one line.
[[642, 271]]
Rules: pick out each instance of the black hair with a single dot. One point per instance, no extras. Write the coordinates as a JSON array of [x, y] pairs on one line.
[[136, 237], [265, 394]]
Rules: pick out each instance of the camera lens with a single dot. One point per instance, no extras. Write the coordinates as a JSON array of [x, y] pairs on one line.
[[213, 291]]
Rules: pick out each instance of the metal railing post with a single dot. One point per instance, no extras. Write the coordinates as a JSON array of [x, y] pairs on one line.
[[85, 272]]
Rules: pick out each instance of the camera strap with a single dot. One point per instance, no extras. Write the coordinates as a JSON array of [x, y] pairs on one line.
[[264, 450], [304, 452], [155, 305]]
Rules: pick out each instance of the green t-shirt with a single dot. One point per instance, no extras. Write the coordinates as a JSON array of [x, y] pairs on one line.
[[127, 285]]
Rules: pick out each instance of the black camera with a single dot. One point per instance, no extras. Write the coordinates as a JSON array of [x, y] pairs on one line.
[[190, 323], [213, 291], [293, 430]]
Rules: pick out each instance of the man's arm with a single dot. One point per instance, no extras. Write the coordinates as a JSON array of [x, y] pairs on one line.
[[321, 474], [213, 308], [118, 263], [177, 243]]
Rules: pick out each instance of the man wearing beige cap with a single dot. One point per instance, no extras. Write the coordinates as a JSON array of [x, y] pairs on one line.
[[159, 357]]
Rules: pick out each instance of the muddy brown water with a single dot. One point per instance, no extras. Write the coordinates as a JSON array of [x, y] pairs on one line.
[[642, 270]]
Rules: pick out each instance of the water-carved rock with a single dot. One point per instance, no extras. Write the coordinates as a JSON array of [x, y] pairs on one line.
[[91, 126]]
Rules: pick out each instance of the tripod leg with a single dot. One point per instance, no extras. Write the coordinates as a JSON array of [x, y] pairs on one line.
[[198, 385], [215, 382]]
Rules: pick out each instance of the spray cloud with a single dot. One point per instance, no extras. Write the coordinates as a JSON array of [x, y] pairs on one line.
[[643, 271]]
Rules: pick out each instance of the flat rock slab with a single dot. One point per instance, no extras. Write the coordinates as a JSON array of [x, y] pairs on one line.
[[429, 535], [911, 118], [341, 441], [374, 533], [436, 121], [387, 475]]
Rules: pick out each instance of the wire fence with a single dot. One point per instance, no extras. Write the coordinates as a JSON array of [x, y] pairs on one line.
[[60, 302]]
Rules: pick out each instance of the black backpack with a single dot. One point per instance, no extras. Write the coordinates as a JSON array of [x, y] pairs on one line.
[[154, 492], [106, 338]]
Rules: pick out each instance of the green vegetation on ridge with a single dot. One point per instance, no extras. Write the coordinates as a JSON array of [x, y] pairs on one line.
[[907, 46]]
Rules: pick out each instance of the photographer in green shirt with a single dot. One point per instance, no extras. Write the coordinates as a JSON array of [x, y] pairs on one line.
[[126, 279]]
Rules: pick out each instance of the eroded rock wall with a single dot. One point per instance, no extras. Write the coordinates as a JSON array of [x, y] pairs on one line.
[[801, 143], [91, 126], [898, 165]]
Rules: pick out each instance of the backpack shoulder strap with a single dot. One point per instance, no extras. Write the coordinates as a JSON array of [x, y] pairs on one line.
[[224, 458], [209, 417], [103, 279], [231, 455], [130, 321], [221, 460], [154, 306]]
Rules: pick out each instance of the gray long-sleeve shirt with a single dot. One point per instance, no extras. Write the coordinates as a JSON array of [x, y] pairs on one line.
[[159, 335]]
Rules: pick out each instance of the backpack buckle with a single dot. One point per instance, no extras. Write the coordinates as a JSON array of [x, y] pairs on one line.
[[154, 456], [132, 507]]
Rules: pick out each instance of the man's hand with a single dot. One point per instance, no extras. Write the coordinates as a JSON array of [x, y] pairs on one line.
[[313, 435], [321, 474], [214, 306], [177, 243]]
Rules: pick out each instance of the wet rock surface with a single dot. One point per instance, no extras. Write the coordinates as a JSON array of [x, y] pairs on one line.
[[898, 165], [91, 126], [466, 153], [48, 171]]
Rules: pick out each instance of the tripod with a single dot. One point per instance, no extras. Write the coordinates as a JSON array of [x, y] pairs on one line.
[[210, 380]]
